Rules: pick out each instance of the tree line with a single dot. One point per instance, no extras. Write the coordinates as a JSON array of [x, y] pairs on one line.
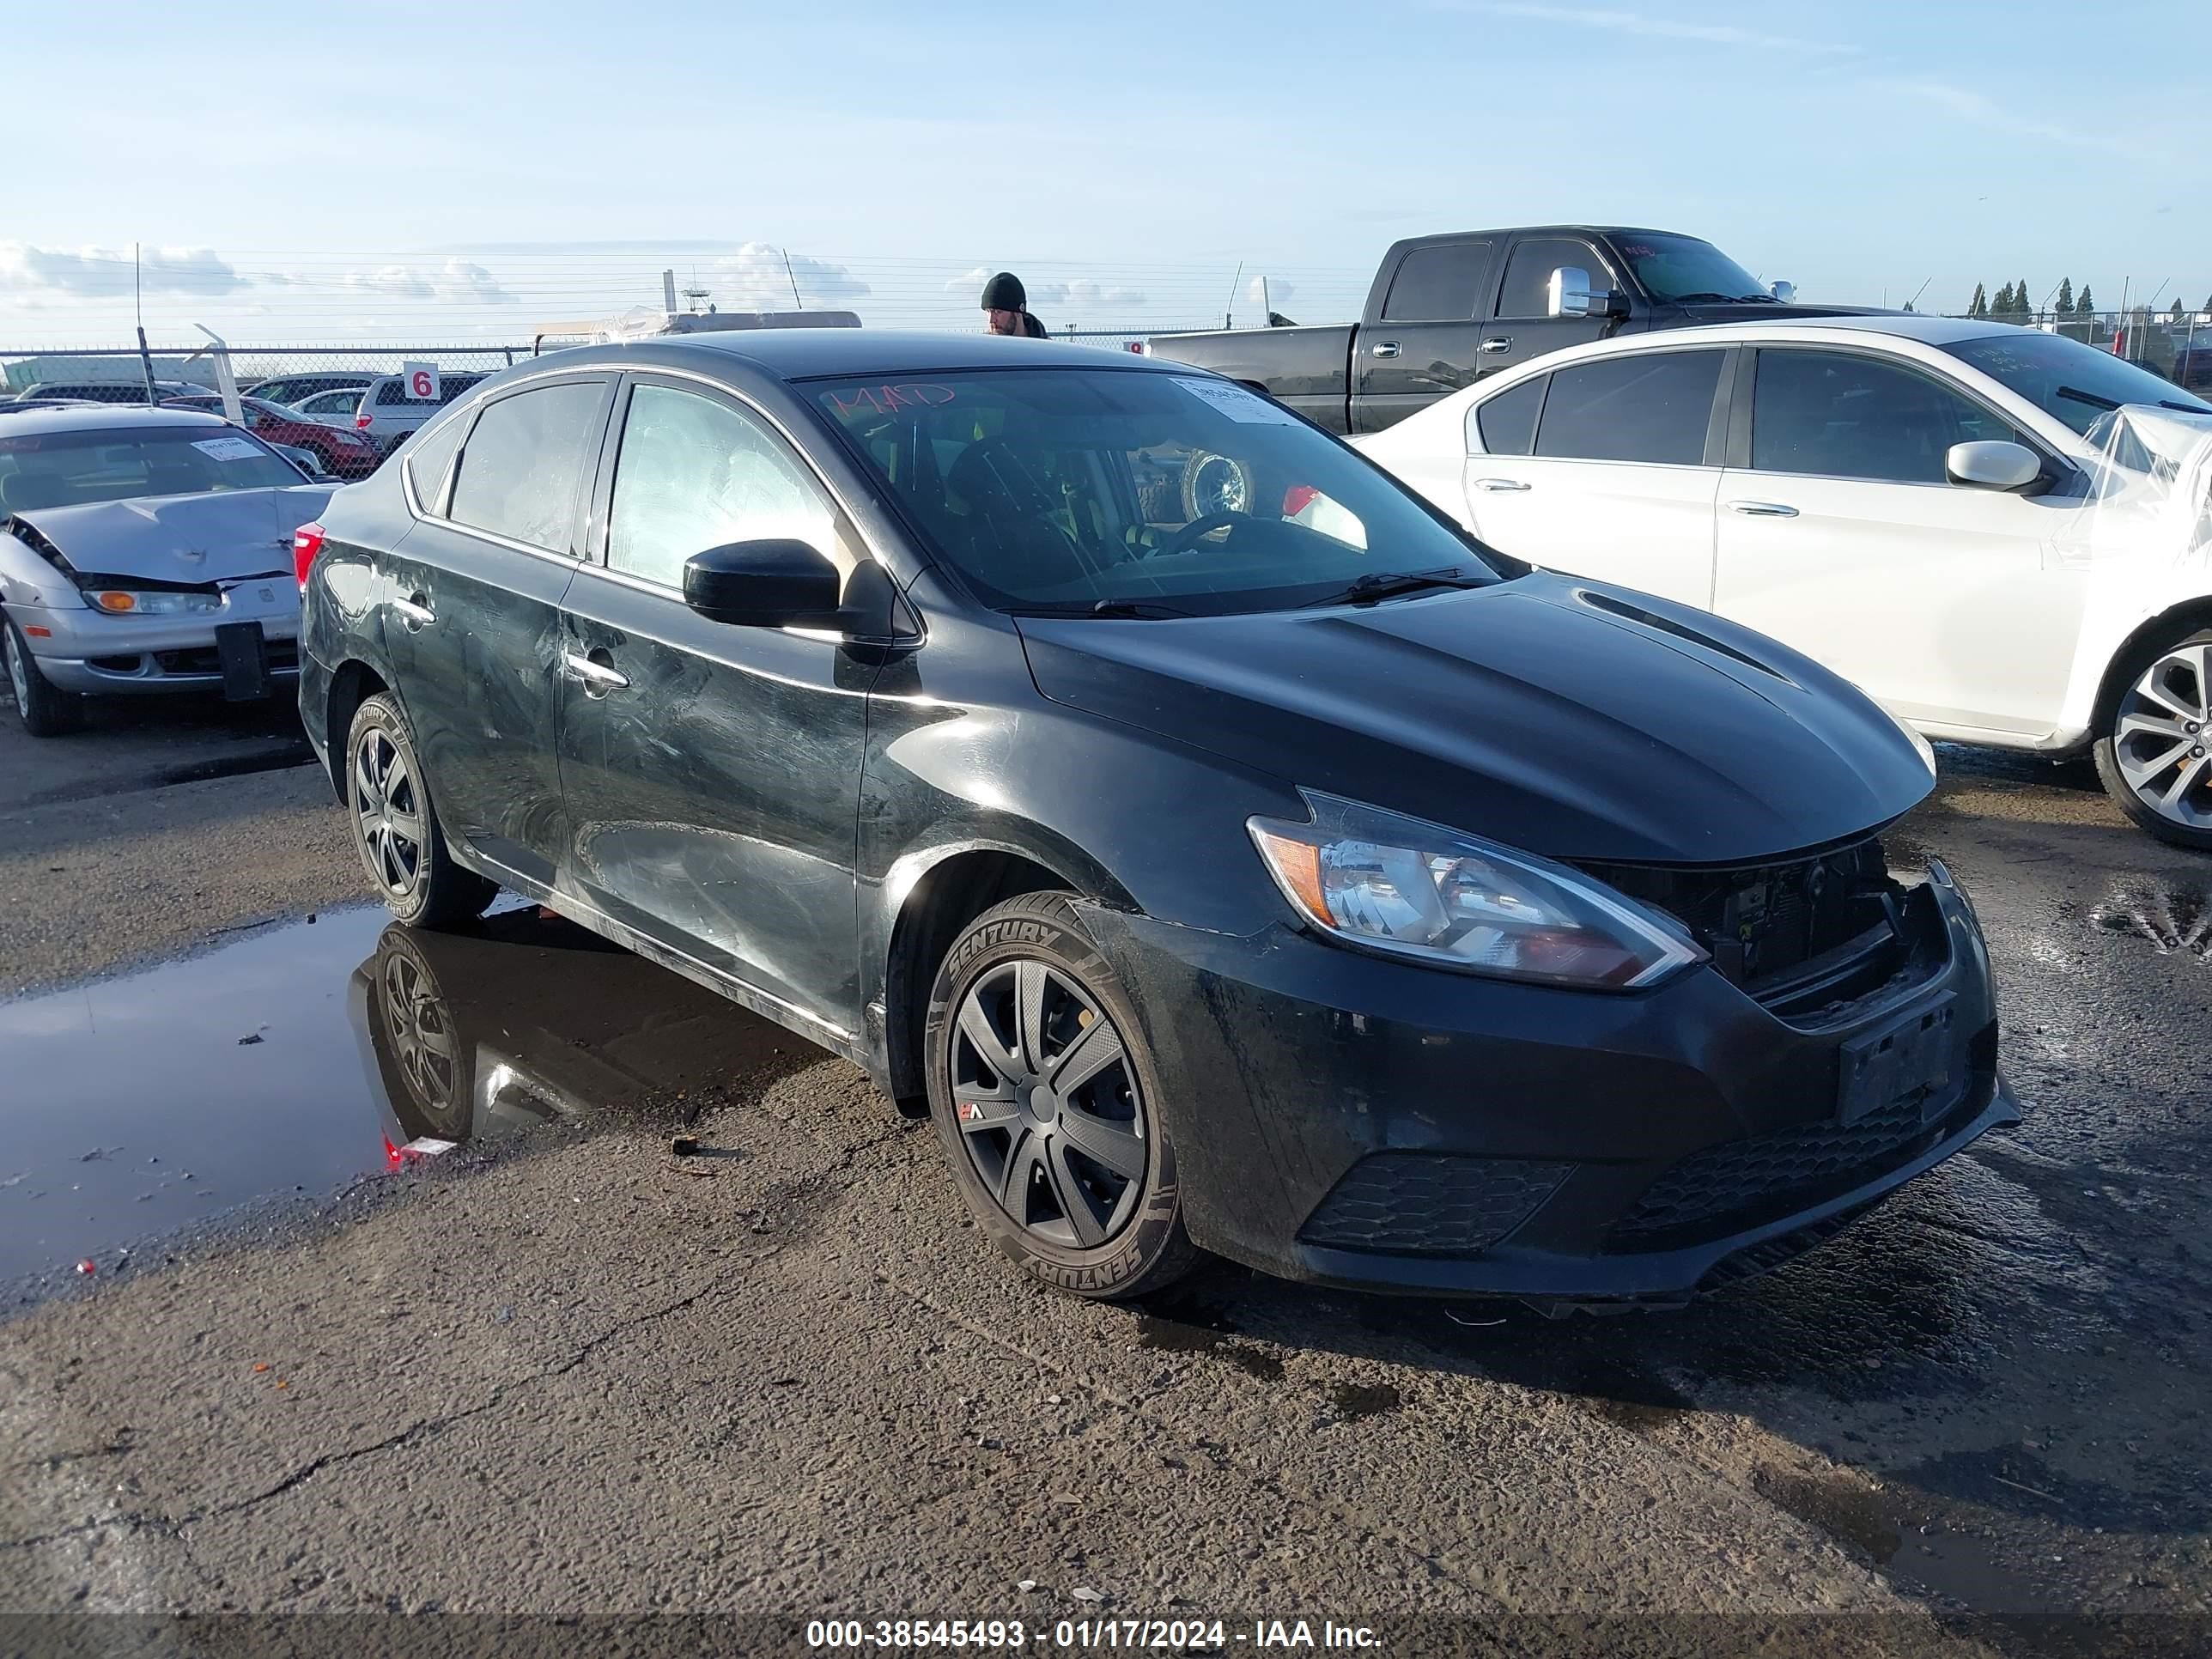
[[2011, 304]]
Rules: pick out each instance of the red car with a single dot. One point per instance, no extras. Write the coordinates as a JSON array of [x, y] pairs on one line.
[[345, 452]]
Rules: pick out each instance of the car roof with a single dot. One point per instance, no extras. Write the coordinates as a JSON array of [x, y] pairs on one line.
[[1901, 325], [800, 353], [95, 417]]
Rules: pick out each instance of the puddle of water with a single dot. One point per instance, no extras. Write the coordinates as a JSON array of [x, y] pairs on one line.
[[302, 1056]]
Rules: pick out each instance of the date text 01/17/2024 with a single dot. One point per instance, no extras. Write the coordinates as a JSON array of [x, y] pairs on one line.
[[1176, 1635]]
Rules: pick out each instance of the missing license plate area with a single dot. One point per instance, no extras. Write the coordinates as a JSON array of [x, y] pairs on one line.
[[1912, 1055], [243, 650]]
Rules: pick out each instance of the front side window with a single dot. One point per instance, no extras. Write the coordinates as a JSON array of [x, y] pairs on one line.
[[523, 461], [1063, 490], [696, 473], [67, 469], [1439, 285], [1507, 423], [1528, 286], [1646, 406], [1838, 415]]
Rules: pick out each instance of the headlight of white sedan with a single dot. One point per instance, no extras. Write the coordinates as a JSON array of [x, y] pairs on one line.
[[129, 602], [1412, 889]]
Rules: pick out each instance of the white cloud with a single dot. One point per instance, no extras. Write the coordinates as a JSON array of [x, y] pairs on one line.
[[107, 272], [1977, 109], [1612, 21], [759, 277], [1081, 292], [457, 281], [969, 282], [1269, 290]]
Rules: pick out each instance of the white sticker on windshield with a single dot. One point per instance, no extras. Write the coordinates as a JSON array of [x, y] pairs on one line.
[[1239, 403], [228, 449]]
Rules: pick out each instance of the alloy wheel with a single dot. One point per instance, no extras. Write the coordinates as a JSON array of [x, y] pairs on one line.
[[2160, 738], [19, 682], [422, 1041], [1048, 1105], [388, 811]]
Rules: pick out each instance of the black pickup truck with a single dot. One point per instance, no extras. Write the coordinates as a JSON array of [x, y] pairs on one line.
[[1446, 310]]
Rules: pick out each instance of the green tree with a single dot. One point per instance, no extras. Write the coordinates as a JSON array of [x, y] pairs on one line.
[[2175, 315], [2001, 303], [1979, 305], [2020, 303], [2086, 305], [2065, 296]]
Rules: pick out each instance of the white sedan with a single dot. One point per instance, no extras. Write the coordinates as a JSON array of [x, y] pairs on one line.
[[2002, 534]]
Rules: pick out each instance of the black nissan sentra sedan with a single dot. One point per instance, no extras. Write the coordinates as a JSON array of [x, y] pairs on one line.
[[1234, 855]]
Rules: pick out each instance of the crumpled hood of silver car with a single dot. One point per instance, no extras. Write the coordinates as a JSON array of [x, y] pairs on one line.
[[217, 537]]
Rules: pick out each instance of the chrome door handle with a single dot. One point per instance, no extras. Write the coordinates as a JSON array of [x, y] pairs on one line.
[[1763, 509], [1499, 484], [1386, 347], [414, 612], [595, 674], [1496, 343]]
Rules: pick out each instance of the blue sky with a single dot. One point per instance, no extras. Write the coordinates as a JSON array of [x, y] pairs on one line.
[[306, 171]]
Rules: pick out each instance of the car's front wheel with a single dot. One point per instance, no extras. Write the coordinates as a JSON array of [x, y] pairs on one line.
[[44, 708], [395, 828], [2154, 758], [1045, 1099]]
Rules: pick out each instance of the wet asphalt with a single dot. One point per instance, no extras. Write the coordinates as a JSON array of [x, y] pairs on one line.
[[1993, 1391]]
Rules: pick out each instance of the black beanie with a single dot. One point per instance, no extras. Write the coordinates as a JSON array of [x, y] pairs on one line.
[[1004, 293]]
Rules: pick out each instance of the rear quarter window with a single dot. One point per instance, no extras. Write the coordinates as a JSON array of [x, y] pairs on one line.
[[1506, 425]]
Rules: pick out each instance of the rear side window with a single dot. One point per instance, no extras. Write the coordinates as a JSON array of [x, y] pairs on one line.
[[428, 457], [1529, 275], [1651, 406], [694, 473], [523, 462], [1507, 423], [1438, 284]]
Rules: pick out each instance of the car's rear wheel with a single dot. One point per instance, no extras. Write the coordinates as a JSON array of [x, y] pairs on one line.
[[395, 826], [2155, 758], [44, 708], [1045, 1097]]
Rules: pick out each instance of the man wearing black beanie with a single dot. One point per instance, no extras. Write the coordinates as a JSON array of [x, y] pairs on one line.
[[1007, 308]]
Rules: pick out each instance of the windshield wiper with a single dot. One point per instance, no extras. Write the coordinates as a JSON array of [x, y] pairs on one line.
[[1144, 608], [1390, 585], [2075, 395], [1702, 297]]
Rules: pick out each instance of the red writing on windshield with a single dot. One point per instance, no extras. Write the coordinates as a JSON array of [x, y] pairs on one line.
[[884, 399]]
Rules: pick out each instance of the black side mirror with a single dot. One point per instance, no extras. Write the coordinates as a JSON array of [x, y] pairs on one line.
[[764, 584]]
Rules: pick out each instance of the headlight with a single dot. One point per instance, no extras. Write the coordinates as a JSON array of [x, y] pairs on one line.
[[122, 602], [1417, 889]]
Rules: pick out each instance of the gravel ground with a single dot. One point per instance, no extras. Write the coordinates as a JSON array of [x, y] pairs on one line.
[[560, 1371]]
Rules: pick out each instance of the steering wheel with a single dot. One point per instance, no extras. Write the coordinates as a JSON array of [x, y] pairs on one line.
[[1181, 541]]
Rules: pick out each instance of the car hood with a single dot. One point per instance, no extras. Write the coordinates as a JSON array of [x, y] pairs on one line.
[[1573, 720], [219, 537]]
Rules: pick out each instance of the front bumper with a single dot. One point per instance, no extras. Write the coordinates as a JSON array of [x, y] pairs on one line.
[[1346, 1120], [86, 650]]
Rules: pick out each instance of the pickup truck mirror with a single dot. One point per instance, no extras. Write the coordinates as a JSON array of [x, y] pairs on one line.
[[1785, 292], [1568, 292]]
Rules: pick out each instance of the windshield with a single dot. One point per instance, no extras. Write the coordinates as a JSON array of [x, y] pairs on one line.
[[1060, 490], [2076, 383], [1683, 268], [67, 469]]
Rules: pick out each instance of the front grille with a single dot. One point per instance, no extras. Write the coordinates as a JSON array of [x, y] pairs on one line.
[[1430, 1203], [1771, 927], [1764, 1257]]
